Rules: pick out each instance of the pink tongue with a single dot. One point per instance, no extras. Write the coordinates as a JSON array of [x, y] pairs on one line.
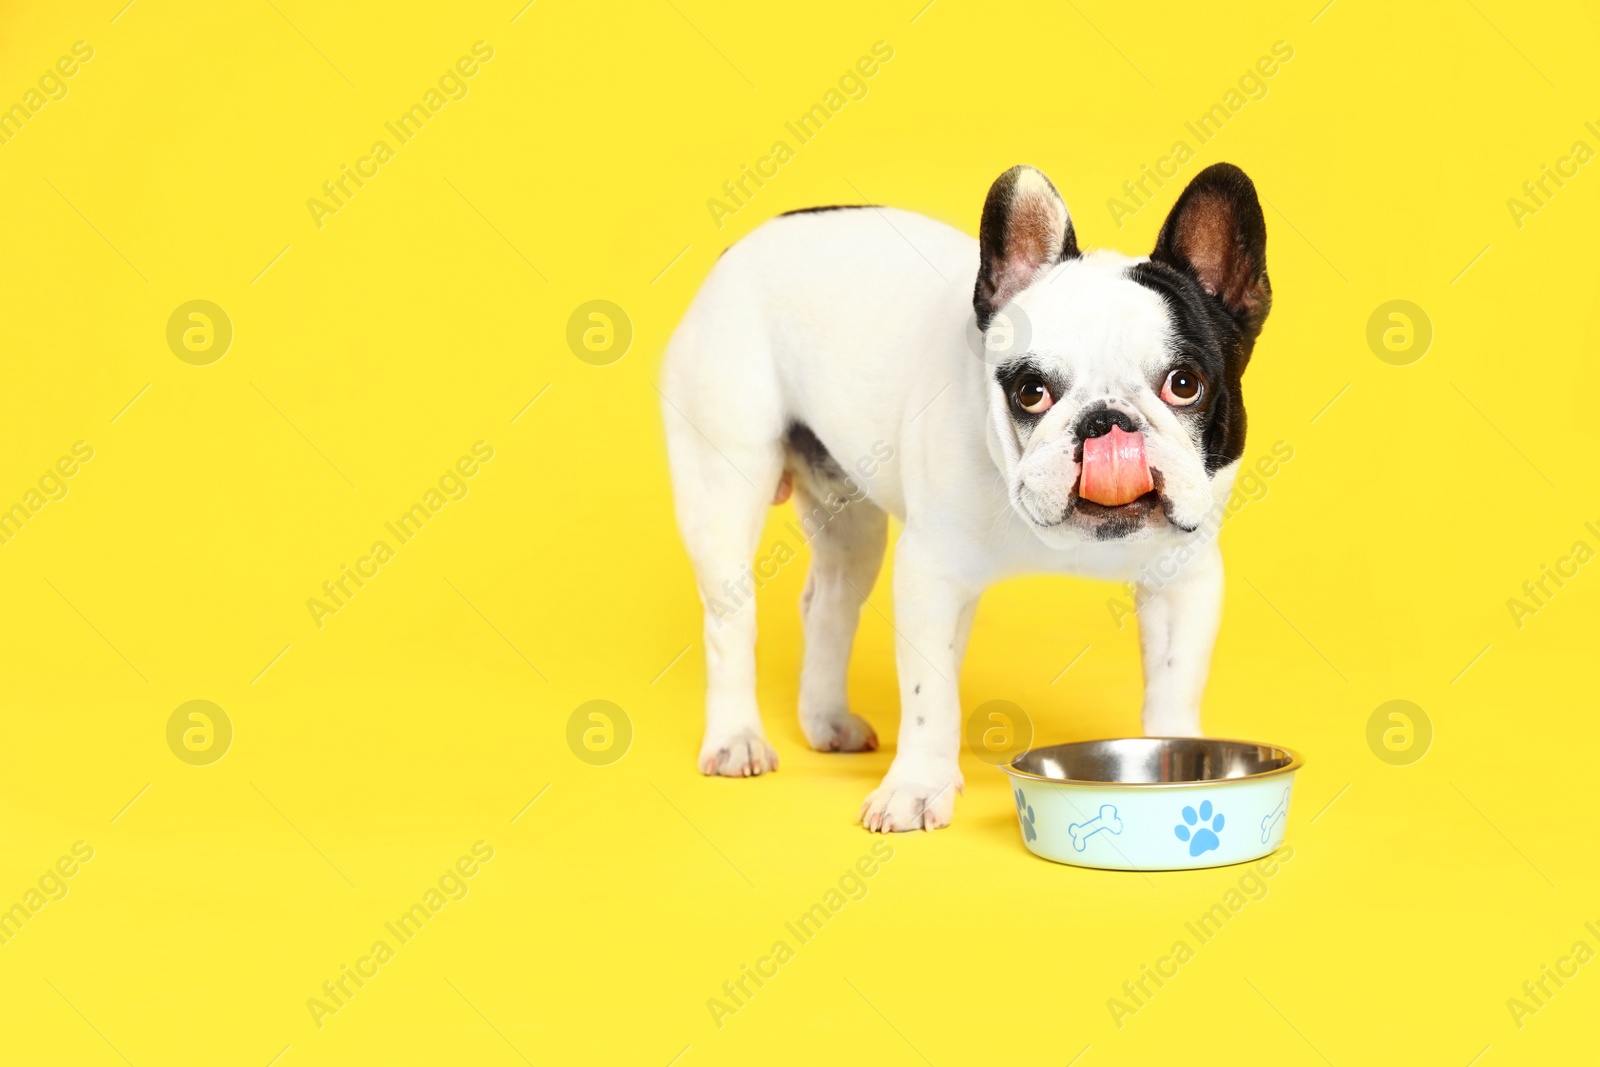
[[1114, 469]]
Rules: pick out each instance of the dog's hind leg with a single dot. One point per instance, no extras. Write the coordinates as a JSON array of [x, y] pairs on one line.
[[722, 489], [847, 534]]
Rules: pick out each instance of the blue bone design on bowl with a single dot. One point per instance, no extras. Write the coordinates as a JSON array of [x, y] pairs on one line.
[[1107, 820], [1269, 820]]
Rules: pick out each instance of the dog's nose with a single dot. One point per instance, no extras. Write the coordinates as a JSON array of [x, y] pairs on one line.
[[1098, 423]]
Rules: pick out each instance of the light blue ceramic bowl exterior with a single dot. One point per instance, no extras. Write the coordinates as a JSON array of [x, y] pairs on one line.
[[1153, 827]]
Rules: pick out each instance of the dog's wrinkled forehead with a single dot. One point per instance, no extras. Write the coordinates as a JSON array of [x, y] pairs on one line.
[[1092, 318]]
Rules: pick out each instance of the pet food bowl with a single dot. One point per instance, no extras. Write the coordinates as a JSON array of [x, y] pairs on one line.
[[1153, 803]]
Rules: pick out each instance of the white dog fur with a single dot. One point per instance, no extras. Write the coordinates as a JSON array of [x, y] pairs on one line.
[[828, 340]]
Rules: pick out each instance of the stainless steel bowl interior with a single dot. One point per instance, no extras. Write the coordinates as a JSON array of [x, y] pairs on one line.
[[1154, 761]]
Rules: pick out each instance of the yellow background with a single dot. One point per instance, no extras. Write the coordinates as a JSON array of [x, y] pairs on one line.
[[369, 754]]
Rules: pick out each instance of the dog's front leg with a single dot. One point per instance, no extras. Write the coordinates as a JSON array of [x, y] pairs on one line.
[[933, 614], [1178, 619]]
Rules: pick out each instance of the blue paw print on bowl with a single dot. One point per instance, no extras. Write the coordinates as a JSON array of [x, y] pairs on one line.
[[1025, 813], [1203, 839]]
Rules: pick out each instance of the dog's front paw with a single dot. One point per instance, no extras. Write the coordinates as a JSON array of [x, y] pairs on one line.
[[738, 755], [913, 799], [841, 732]]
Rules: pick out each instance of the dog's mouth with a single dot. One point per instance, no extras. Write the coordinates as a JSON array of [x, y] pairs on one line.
[[1113, 471], [1117, 491], [1106, 520], [1139, 507]]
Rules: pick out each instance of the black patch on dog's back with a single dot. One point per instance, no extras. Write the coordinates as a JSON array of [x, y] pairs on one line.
[[1209, 337], [812, 211], [831, 207], [826, 207]]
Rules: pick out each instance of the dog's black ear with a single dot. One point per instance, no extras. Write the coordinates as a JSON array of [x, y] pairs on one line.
[[1025, 229], [1216, 233]]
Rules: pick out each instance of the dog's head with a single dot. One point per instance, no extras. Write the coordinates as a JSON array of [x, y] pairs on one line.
[[1115, 397]]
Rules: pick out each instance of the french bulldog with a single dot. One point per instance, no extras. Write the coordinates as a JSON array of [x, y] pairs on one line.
[[1019, 405]]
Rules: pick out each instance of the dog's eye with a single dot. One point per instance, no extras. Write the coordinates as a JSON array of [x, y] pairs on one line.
[[1182, 388], [1032, 396]]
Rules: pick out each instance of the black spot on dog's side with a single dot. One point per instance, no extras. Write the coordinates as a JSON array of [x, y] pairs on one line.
[[918, 689], [819, 479], [803, 442], [921, 720]]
